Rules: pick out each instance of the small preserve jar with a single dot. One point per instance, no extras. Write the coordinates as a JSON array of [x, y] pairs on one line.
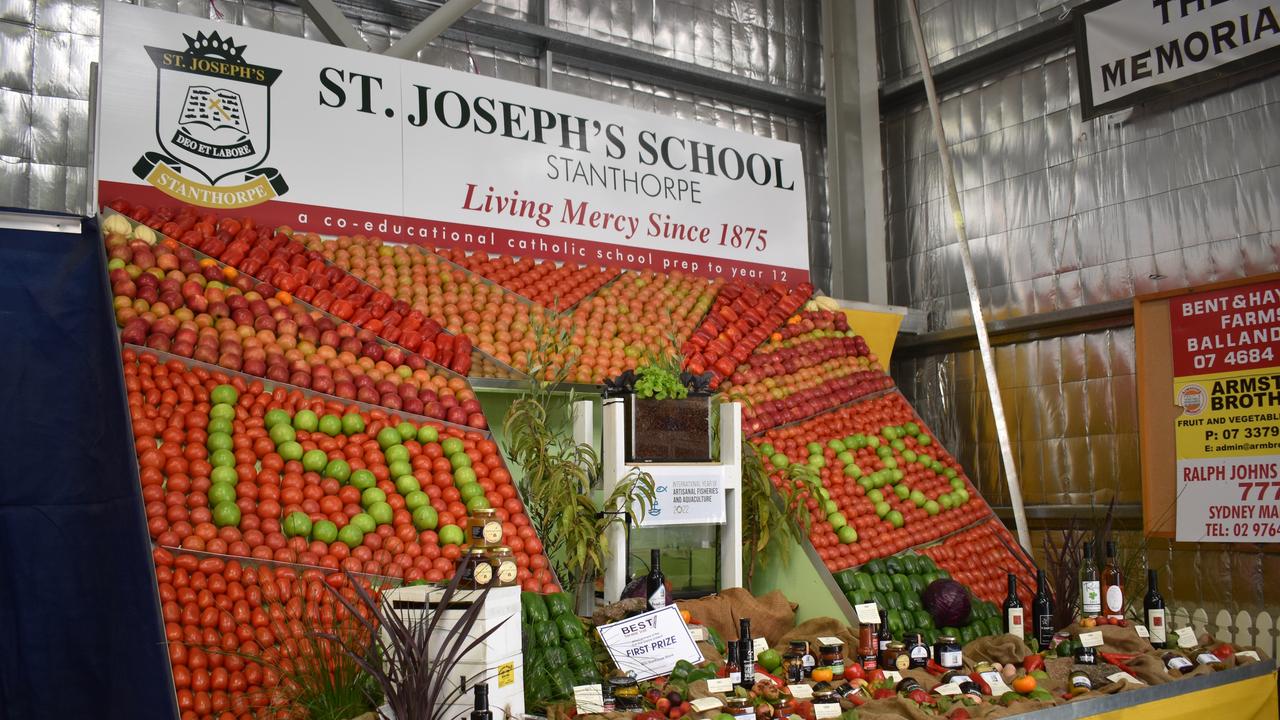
[[626, 693], [947, 653], [1086, 656], [740, 708], [793, 662], [832, 657], [504, 566], [1080, 680], [848, 691], [477, 573], [917, 651], [1174, 661], [824, 694], [894, 657], [906, 685], [484, 529]]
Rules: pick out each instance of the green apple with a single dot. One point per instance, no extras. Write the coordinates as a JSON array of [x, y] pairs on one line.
[[882, 509], [918, 498], [222, 458], [463, 475], [387, 437], [224, 475], [220, 492], [352, 424], [224, 411], [847, 535], [902, 491], [371, 496], [338, 470], [407, 430], [364, 522], [314, 461], [415, 499], [837, 520], [837, 445], [428, 434], [363, 479], [351, 536], [470, 490], [381, 513], [406, 484], [281, 433], [779, 460], [226, 514], [425, 518], [460, 459], [396, 453], [451, 535], [324, 531], [331, 425], [479, 502], [305, 420], [297, 524], [398, 468], [932, 507], [852, 471], [220, 425], [895, 518], [290, 450], [451, 445], [830, 506], [224, 394], [875, 496]]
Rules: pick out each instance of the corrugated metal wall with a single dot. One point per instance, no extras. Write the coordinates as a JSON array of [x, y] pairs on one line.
[[47, 45], [1065, 214]]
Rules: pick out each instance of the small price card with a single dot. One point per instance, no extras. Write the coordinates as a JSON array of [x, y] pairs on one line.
[[868, 613], [948, 689], [1091, 639], [589, 698], [1125, 677], [698, 633], [893, 676], [1186, 637], [822, 711], [1249, 654], [759, 645], [1142, 631], [720, 685], [706, 703], [828, 640], [996, 681], [800, 691]]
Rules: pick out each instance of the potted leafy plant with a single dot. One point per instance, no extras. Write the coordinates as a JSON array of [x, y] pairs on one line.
[[557, 472], [668, 412]]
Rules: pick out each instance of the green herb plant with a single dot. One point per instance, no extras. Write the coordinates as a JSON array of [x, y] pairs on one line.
[[658, 377], [558, 472], [773, 520]]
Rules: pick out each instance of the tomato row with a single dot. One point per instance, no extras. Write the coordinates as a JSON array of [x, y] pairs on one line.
[[982, 557], [551, 285]]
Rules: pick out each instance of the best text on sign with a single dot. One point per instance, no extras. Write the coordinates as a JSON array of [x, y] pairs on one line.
[[1227, 382], [649, 645], [342, 142], [1126, 50]]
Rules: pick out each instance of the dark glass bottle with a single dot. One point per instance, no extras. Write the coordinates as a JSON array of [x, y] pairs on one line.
[[1014, 617], [1112, 585], [1042, 613], [656, 583], [1153, 605], [732, 666], [481, 711], [746, 653], [883, 636]]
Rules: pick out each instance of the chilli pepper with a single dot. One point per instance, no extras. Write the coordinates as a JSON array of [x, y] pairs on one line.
[[1033, 662], [933, 668], [1118, 659]]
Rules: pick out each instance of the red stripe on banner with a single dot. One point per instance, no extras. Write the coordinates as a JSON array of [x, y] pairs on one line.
[[434, 233]]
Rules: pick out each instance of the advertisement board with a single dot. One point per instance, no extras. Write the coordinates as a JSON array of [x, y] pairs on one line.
[[1226, 370], [342, 142], [1130, 50]]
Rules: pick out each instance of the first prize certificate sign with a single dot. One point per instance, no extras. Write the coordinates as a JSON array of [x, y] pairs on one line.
[[1226, 370], [650, 644]]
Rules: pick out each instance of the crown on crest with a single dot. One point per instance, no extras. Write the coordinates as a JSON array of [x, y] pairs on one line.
[[215, 46]]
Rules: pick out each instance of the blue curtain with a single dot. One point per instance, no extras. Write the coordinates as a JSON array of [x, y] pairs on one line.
[[80, 626]]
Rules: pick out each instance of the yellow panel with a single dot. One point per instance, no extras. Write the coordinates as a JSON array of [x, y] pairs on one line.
[[879, 329], [1252, 699]]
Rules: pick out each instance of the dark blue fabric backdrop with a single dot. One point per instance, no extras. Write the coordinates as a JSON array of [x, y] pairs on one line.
[[80, 627]]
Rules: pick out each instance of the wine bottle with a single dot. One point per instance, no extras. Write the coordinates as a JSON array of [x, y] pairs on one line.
[[884, 636], [746, 653], [1090, 587], [1014, 623], [1042, 613], [656, 584], [1153, 604], [1112, 585], [481, 711]]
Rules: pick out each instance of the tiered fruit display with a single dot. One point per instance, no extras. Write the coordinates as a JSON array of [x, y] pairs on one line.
[[888, 484], [640, 313], [499, 323], [554, 286], [277, 258], [167, 300], [814, 363], [897, 584], [982, 557], [741, 318], [237, 469]]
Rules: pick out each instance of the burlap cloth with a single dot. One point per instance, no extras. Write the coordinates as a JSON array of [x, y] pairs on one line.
[[771, 615]]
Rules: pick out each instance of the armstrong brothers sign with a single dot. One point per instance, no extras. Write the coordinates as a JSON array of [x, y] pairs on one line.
[[337, 141]]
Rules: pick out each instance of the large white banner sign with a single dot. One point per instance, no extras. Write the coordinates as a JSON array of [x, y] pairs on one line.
[[339, 141], [1129, 50]]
